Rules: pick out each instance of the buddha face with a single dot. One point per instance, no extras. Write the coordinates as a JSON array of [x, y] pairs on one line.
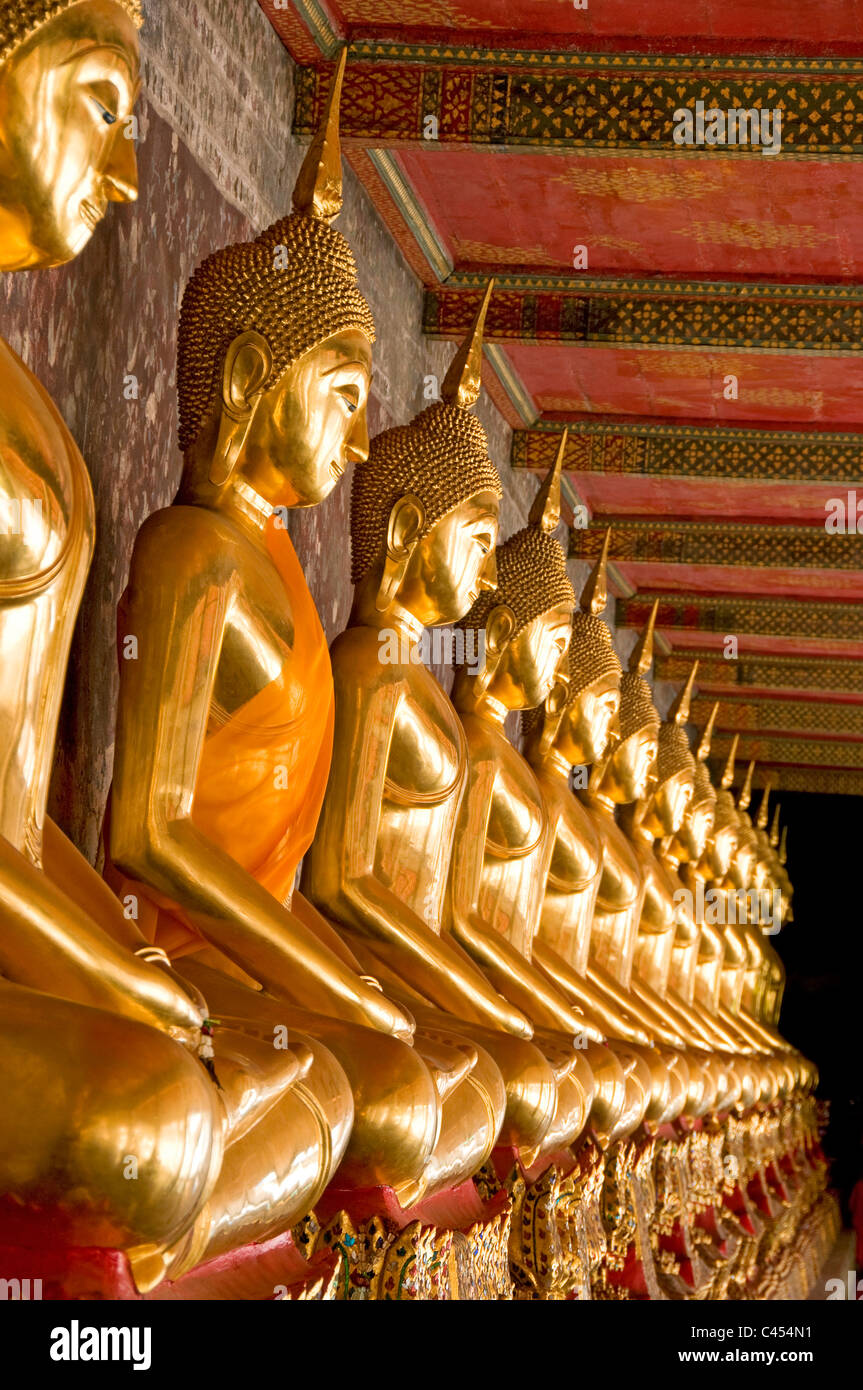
[[590, 721], [65, 146], [719, 850], [453, 563], [742, 865], [306, 429], [669, 804], [695, 830], [529, 663], [627, 777]]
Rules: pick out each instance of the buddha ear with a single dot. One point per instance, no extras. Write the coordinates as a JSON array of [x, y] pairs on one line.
[[246, 370], [553, 710], [247, 367], [499, 627], [404, 529]]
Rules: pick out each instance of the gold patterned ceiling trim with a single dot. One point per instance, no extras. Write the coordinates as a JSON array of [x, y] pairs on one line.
[[825, 675], [745, 616], [599, 102], [715, 543], [694, 451], [744, 714], [825, 320], [370, 49], [769, 750]]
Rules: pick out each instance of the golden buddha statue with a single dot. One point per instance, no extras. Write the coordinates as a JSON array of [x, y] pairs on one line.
[[573, 728], [621, 778], [99, 1045], [424, 516], [748, 948], [727, 945], [501, 851], [698, 851]]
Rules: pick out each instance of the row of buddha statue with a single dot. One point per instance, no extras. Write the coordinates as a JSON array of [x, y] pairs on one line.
[[483, 1014]]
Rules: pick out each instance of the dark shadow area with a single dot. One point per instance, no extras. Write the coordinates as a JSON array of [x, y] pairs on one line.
[[823, 957]]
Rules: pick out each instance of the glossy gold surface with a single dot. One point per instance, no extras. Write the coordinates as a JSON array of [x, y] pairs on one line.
[[380, 860], [66, 94], [481, 956], [502, 847], [237, 708], [98, 1052]]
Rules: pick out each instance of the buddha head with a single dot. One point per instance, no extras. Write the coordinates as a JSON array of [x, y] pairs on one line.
[[274, 352], [68, 83], [722, 841], [765, 875], [742, 869], [524, 625], [424, 505], [579, 717], [675, 769], [695, 833], [627, 774]]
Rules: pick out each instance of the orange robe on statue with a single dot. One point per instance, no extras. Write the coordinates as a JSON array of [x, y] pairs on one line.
[[263, 771]]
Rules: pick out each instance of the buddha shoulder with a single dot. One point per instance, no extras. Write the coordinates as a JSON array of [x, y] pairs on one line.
[[577, 853], [46, 503], [184, 541], [517, 818], [400, 702]]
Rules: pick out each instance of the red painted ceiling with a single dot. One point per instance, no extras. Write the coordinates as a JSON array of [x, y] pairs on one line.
[[701, 215], [688, 216], [701, 499], [778, 389], [739, 579], [820, 24]]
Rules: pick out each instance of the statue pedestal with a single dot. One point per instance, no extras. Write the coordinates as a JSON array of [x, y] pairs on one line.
[[274, 1270], [452, 1245]]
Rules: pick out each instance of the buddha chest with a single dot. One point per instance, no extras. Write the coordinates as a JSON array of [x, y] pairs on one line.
[[618, 903], [46, 542], [507, 817], [425, 776], [574, 870]]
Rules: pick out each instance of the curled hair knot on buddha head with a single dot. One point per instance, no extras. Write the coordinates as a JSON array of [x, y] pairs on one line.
[[531, 565], [441, 458], [295, 284], [674, 754], [705, 793], [637, 710], [20, 19]]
